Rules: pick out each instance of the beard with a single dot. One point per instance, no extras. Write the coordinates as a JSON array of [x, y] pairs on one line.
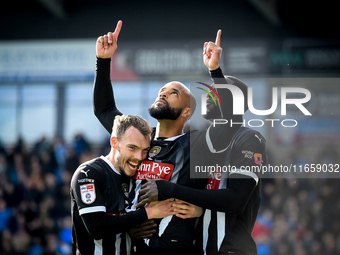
[[120, 164], [212, 114], [121, 161], [165, 113], [212, 111]]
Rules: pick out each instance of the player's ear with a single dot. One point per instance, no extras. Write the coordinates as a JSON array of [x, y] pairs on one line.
[[186, 112], [113, 142]]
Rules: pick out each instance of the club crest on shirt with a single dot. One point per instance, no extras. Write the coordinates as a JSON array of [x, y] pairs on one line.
[[258, 158], [154, 151], [88, 194]]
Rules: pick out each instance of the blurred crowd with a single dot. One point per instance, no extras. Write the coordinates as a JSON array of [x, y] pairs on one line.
[[300, 216], [297, 216], [35, 203]]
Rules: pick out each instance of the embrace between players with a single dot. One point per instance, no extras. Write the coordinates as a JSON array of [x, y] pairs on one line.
[[112, 206]]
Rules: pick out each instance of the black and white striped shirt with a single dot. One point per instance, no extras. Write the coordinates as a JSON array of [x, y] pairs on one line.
[[100, 208], [232, 199]]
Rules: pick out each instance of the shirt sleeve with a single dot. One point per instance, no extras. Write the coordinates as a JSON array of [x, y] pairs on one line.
[[100, 225], [248, 155], [87, 191], [219, 135], [104, 104], [230, 200]]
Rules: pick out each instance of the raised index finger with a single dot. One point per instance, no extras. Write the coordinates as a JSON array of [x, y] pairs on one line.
[[118, 28], [218, 38]]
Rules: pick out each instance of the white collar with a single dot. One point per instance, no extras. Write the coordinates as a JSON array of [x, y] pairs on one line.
[[171, 138], [210, 145]]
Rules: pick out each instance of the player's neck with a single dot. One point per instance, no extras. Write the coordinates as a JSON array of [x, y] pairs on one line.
[[169, 128]]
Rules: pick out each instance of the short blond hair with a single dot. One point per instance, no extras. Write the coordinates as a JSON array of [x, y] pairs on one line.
[[122, 122]]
